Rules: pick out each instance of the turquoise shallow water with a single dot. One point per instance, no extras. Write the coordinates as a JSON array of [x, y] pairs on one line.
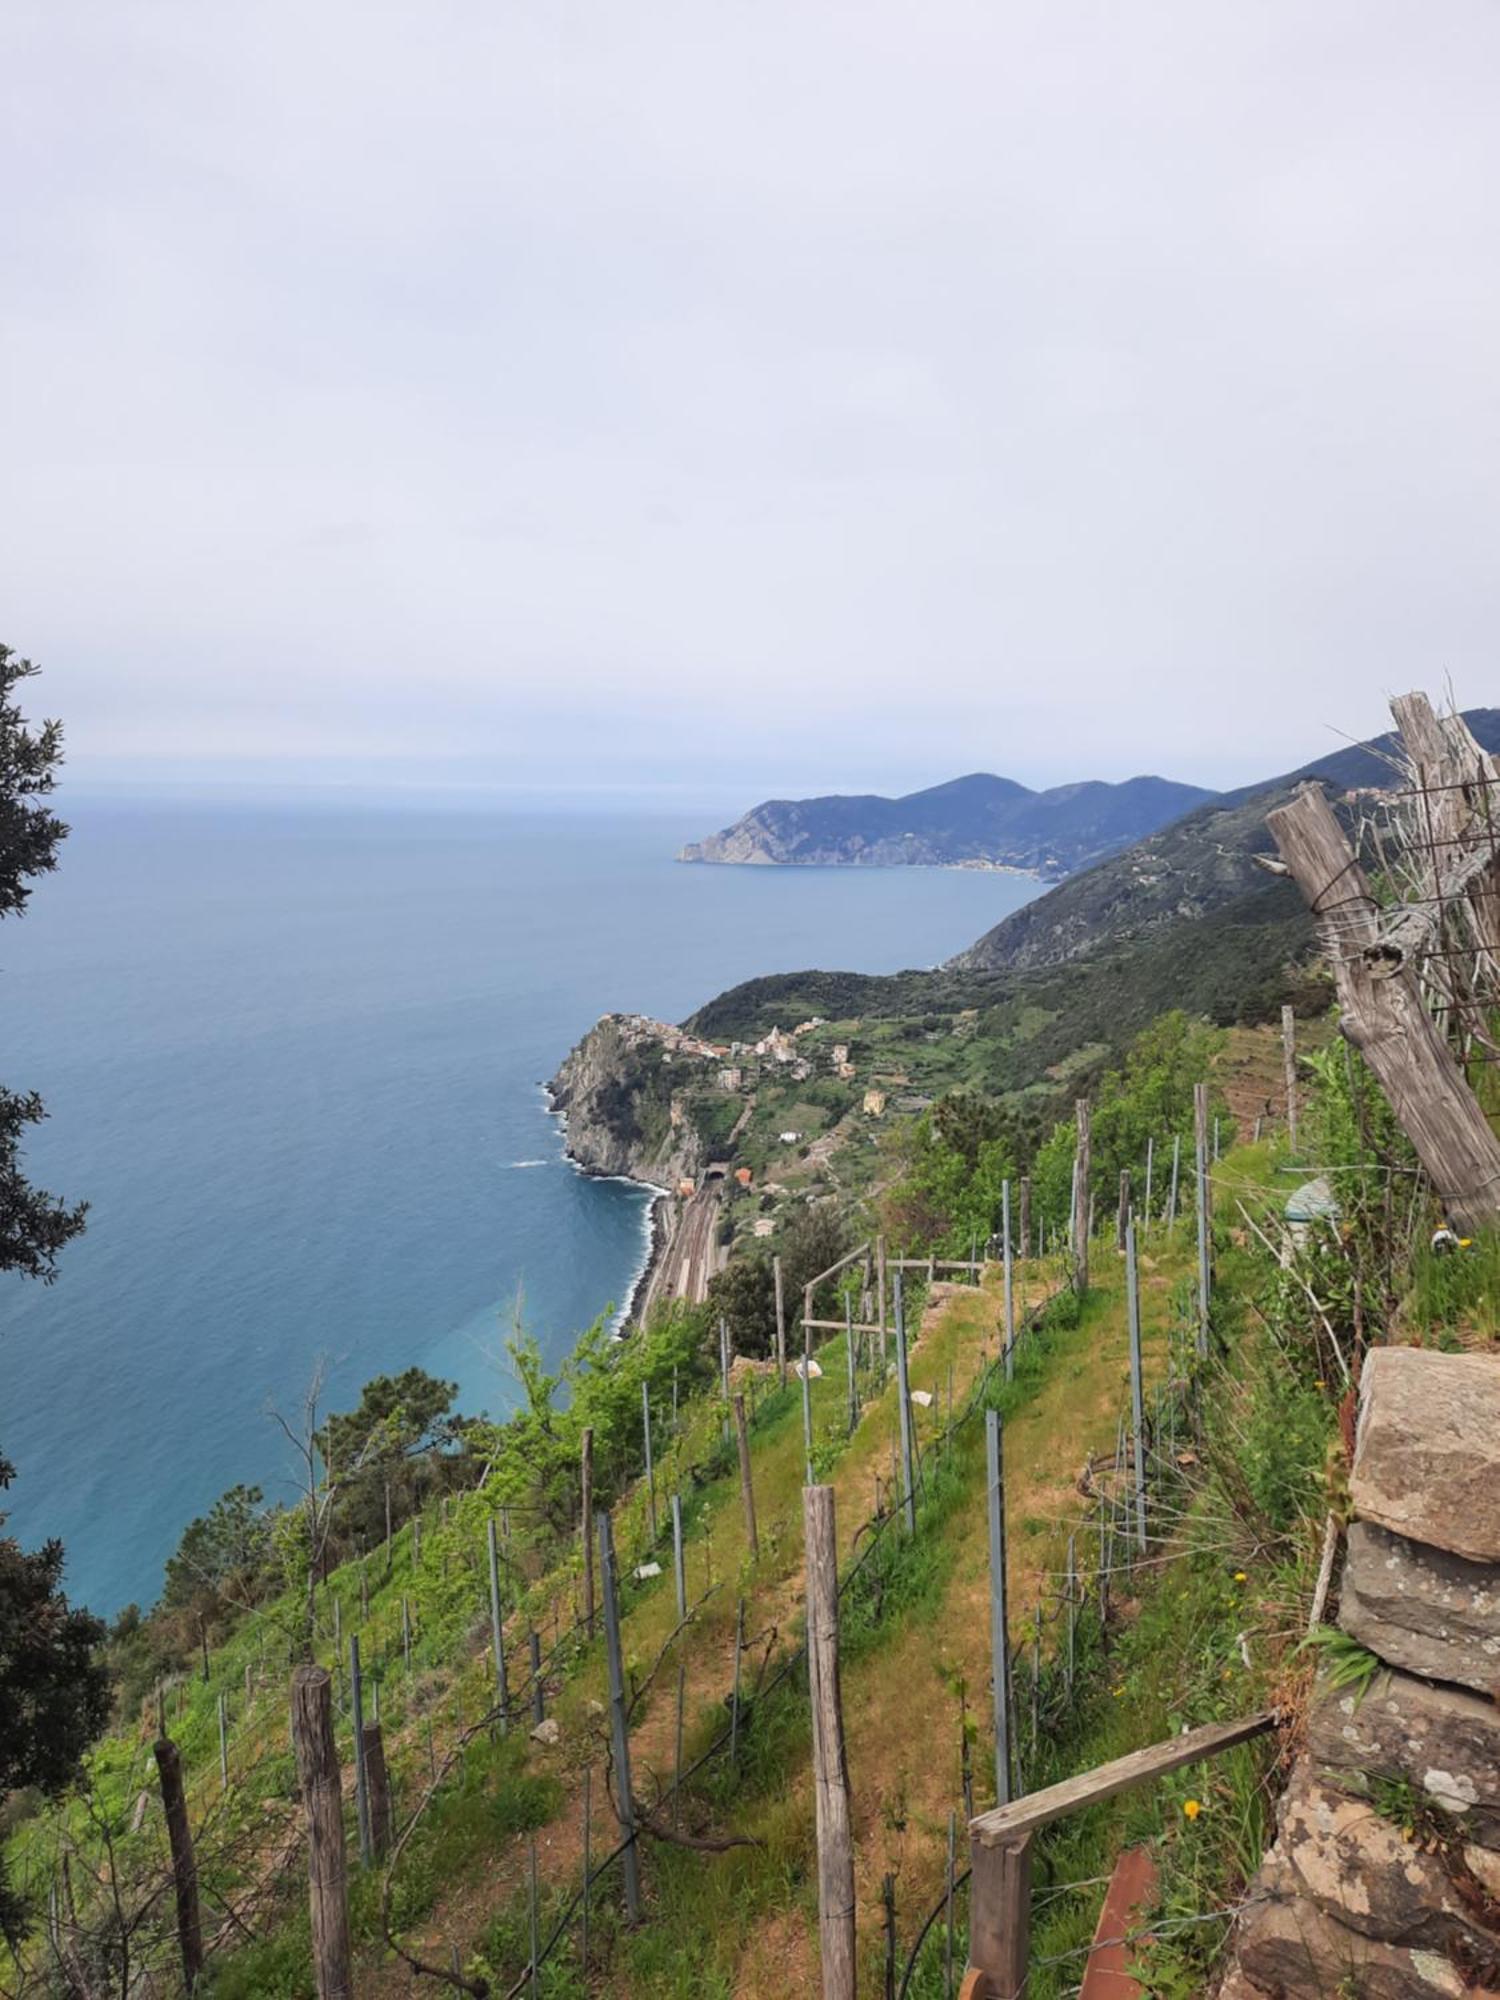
[[293, 1059]]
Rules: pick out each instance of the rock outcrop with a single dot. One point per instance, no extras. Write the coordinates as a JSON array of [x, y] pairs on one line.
[[614, 1093], [1384, 1879]]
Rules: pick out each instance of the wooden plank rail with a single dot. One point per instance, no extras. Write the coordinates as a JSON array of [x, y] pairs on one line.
[[1000, 1846], [850, 1257], [935, 1263]]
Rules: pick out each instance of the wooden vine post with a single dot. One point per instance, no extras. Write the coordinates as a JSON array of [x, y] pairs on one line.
[[830, 1766], [377, 1790], [1082, 1201], [1203, 1204], [1384, 1016], [184, 1860], [586, 1473], [619, 1718], [780, 1321], [747, 1486], [323, 1805], [1289, 1074]]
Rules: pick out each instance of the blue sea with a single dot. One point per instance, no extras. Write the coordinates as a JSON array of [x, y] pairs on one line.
[[293, 1058]]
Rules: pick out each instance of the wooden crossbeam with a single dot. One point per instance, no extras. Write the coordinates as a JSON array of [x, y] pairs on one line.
[[1005, 1825], [861, 1250]]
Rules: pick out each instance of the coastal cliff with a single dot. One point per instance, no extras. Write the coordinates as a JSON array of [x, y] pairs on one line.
[[620, 1102], [640, 1099]]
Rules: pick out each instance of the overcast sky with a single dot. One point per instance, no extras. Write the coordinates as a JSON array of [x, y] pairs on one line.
[[758, 397]]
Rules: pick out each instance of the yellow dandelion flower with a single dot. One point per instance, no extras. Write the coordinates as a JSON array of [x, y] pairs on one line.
[[1192, 1807], [1239, 1576]]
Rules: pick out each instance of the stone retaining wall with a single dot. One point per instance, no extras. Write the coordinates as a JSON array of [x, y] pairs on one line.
[[1384, 1879]]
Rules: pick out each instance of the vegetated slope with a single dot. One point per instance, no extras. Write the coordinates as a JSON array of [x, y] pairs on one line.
[[977, 819], [1236, 964], [1187, 870]]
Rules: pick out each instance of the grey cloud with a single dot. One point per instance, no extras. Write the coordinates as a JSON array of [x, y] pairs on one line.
[[795, 393]]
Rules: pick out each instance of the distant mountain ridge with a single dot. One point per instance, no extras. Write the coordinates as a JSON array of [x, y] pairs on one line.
[[976, 821]]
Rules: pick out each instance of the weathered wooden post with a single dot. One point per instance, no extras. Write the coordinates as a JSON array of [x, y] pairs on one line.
[[780, 1322], [1082, 1198], [880, 1304], [1000, 1916], [322, 1805], [1205, 1276], [1137, 1399], [587, 1478], [903, 1391], [184, 1860], [734, 1698], [535, 1966], [1009, 1282], [1150, 1164], [538, 1692], [619, 1722], [1176, 1171], [679, 1565], [1289, 1072], [677, 1765], [948, 1876], [724, 1370], [999, 1628], [1385, 1018], [830, 1767], [497, 1628], [650, 1472], [377, 1788], [361, 1777], [1025, 1215], [747, 1485], [849, 1360], [1122, 1213], [588, 1865], [807, 1423], [406, 1633]]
